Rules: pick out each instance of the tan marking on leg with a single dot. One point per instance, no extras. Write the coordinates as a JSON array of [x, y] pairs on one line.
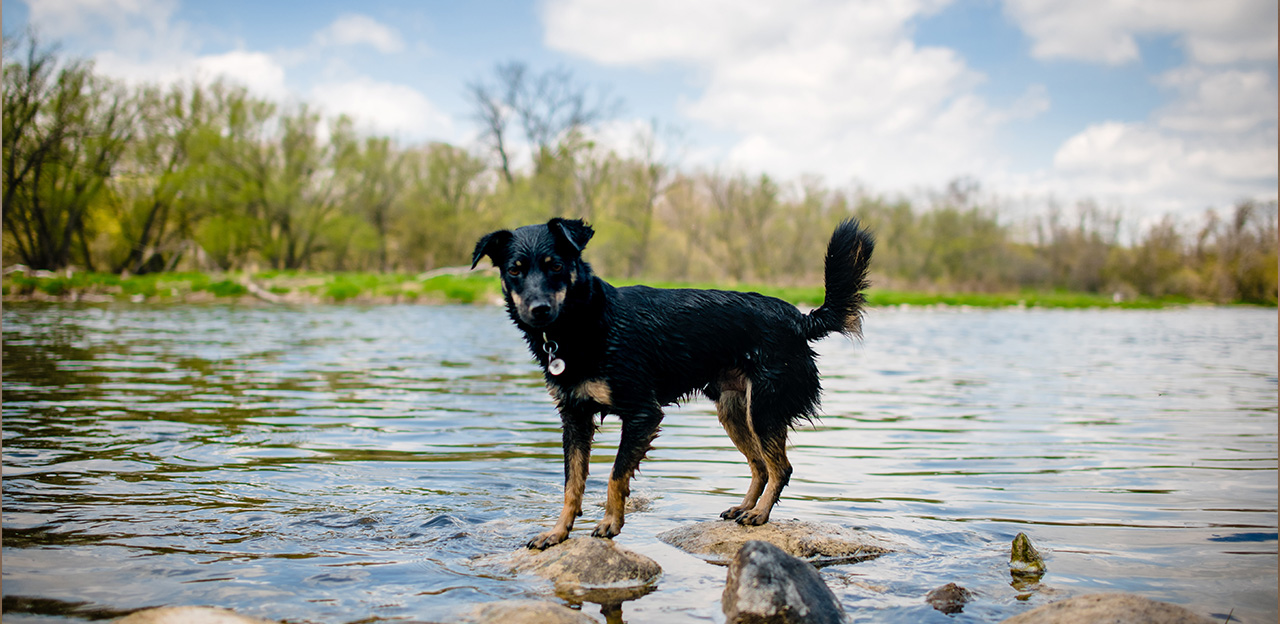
[[733, 411], [574, 486], [596, 390], [779, 473], [615, 506]]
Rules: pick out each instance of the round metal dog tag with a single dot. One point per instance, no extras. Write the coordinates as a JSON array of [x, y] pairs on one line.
[[555, 366]]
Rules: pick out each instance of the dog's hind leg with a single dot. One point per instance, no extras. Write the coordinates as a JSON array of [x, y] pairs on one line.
[[731, 407], [771, 409], [577, 432], [773, 448], [638, 431]]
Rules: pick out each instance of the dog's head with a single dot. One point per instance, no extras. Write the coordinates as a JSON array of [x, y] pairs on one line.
[[539, 264]]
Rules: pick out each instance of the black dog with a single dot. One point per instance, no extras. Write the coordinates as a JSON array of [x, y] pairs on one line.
[[630, 351]]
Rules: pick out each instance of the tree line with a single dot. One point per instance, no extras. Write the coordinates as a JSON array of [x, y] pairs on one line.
[[106, 177]]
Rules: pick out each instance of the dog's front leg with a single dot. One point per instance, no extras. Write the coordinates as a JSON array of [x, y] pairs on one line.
[[638, 431], [577, 430]]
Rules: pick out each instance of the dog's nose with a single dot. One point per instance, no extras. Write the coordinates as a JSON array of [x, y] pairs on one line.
[[540, 311]]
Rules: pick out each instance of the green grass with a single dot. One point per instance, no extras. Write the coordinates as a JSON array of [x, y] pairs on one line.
[[473, 287], [288, 285], [813, 296]]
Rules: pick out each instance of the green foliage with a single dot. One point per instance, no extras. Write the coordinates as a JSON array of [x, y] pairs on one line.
[[208, 179], [65, 130], [226, 288]]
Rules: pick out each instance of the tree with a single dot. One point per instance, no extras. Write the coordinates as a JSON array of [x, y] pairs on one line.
[[234, 186], [445, 206], [157, 187], [549, 107], [372, 172], [64, 132]]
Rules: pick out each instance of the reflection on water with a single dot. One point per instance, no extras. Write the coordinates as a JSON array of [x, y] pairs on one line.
[[341, 464]]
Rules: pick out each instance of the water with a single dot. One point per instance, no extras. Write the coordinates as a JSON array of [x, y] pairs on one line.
[[342, 464]]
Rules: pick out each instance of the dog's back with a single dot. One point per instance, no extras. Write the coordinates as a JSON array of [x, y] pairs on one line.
[[687, 340]]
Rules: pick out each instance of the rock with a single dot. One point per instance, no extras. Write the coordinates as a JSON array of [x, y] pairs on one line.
[[821, 544], [1025, 562], [1109, 608], [526, 612], [188, 615], [592, 569], [949, 598], [768, 586]]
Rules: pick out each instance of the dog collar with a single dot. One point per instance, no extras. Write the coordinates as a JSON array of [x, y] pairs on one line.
[[555, 365]]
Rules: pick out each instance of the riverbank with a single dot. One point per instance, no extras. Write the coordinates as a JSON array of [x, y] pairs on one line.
[[453, 285]]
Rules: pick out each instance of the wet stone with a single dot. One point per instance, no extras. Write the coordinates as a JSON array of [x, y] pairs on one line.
[[526, 612], [188, 615], [820, 544], [949, 598], [591, 569], [768, 586], [1122, 608], [1025, 562]]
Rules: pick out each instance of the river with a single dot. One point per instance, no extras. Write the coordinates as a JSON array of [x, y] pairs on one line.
[[336, 464]]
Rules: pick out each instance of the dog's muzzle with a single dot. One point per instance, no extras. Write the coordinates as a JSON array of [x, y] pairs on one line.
[[541, 314]]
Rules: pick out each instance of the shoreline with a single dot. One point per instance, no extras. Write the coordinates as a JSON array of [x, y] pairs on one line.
[[456, 285]]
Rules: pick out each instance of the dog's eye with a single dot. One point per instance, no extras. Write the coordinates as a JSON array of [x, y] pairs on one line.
[[514, 270], [557, 267]]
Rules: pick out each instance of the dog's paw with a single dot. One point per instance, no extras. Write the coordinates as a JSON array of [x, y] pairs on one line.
[[752, 518], [547, 539], [733, 513], [607, 528]]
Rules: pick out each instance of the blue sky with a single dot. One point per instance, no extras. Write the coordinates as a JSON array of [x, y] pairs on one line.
[[1146, 106]]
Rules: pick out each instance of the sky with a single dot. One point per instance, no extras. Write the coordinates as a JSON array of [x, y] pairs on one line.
[[1146, 107]]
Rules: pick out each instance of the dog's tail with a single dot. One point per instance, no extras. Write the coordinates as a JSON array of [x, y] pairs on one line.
[[848, 258]]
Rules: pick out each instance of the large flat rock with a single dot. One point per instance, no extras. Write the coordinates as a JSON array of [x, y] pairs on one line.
[[1109, 608], [718, 541], [188, 615], [591, 569], [526, 612]]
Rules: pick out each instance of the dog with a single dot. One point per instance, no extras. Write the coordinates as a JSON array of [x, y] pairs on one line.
[[631, 351]]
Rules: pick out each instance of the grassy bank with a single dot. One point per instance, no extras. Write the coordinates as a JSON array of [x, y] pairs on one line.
[[269, 286], [813, 296], [448, 286]]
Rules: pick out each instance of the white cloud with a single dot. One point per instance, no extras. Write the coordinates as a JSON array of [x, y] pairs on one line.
[[1168, 172], [121, 19], [833, 88], [840, 89], [1214, 140], [355, 29], [1218, 100], [257, 71], [260, 73], [141, 41], [1213, 31], [385, 108]]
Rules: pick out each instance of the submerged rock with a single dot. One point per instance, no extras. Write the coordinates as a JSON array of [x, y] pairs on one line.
[[949, 598], [526, 612], [591, 569], [767, 586], [1025, 562], [717, 541], [1113, 608], [188, 615]]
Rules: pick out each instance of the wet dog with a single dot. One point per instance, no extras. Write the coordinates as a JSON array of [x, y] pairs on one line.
[[630, 351]]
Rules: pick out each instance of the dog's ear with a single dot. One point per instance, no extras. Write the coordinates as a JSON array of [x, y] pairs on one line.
[[494, 245], [571, 235]]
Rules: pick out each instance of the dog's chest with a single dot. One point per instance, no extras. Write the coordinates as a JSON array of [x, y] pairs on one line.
[[594, 394]]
